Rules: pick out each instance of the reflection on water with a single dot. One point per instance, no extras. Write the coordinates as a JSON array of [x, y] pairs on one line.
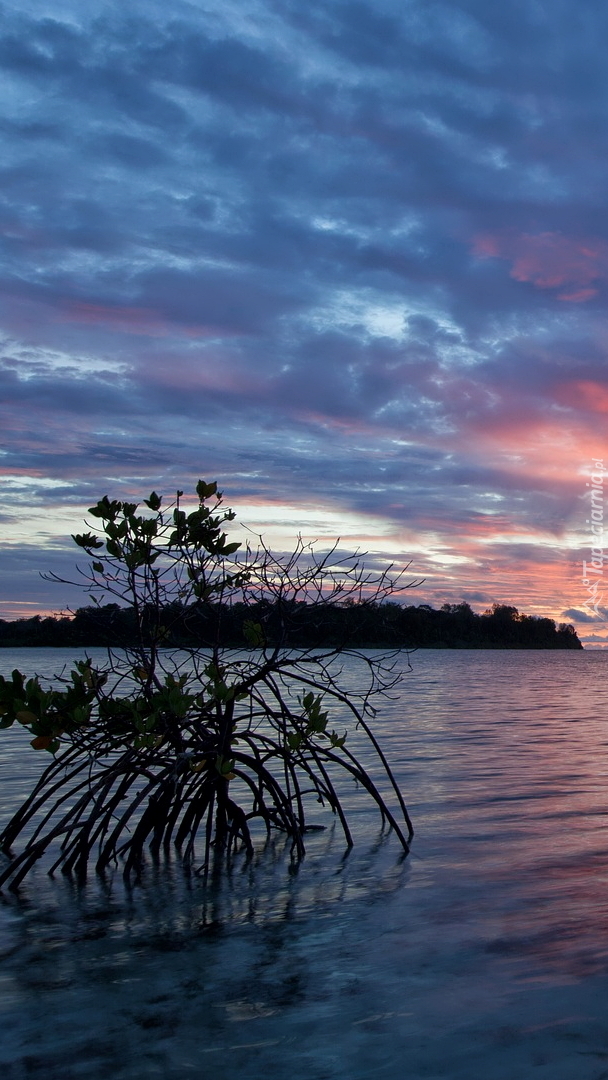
[[482, 955]]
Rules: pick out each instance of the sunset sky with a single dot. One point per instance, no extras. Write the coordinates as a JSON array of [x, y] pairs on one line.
[[348, 258]]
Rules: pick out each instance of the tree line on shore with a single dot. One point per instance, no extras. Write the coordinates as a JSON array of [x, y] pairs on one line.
[[360, 624]]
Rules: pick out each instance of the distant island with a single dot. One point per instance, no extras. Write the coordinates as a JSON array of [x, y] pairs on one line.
[[293, 624]]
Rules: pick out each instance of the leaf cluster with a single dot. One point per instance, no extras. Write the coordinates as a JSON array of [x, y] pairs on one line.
[[50, 714]]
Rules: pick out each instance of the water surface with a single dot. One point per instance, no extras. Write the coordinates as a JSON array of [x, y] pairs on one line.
[[484, 954]]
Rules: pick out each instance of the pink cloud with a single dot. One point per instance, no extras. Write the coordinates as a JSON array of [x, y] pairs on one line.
[[550, 260], [579, 296], [213, 372], [486, 246], [130, 320], [585, 394]]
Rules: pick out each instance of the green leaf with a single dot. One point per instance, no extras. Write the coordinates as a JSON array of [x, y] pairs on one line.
[[87, 540], [336, 741], [105, 509], [318, 723], [223, 765], [253, 633], [97, 567], [204, 491], [24, 716]]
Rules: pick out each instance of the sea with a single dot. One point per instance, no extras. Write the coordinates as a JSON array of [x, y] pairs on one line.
[[482, 955]]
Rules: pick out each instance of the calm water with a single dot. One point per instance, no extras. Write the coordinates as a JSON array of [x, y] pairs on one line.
[[482, 956]]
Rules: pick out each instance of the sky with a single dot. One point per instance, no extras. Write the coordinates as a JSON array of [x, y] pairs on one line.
[[348, 258]]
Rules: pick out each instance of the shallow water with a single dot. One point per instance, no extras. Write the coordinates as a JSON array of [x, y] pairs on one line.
[[482, 956]]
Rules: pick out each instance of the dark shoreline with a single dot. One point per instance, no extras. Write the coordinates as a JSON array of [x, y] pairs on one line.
[[296, 625]]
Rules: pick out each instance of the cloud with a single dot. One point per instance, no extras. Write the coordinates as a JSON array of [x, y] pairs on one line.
[[340, 256], [550, 261], [582, 616]]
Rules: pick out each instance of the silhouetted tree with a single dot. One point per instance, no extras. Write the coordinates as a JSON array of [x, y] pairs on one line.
[[163, 747]]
